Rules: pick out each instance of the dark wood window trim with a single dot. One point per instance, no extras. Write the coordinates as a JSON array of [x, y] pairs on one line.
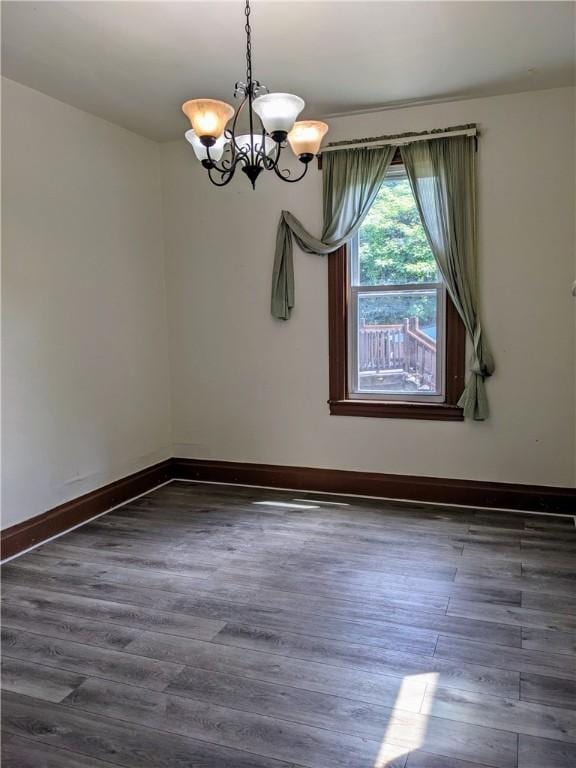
[[341, 404]]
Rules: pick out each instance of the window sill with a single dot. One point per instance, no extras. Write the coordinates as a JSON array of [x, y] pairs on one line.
[[396, 410]]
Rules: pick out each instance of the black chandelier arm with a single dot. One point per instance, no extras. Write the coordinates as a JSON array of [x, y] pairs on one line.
[[240, 156], [270, 162], [232, 131], [286, 173], [227, 164], [226, 176], [227, 168], [211, 164], [229, 158], [249, 155], [261, 156]]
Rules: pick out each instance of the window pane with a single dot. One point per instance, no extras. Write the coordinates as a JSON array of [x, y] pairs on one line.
[[392, 245], [396, 347]]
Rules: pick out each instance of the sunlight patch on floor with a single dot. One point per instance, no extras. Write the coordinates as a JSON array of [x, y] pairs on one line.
[[285, 505], [406, 731], [326, 503], [390, 756]]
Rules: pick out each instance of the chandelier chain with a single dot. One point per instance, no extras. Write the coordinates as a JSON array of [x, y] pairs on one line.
[[248, 44]]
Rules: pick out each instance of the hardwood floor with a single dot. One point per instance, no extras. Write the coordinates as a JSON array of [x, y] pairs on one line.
[[206, 626]]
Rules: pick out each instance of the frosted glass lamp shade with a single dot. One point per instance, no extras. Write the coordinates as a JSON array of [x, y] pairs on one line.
[[306, 136], [278, 111], [243, 142], [208, 117], [216, 150]]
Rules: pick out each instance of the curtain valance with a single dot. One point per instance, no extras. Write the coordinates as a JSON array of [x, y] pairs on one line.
[[397, 139]]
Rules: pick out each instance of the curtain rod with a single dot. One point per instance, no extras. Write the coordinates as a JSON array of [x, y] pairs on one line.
[[398, 142]]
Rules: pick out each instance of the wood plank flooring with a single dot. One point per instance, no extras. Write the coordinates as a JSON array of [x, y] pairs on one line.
[[206, 626]]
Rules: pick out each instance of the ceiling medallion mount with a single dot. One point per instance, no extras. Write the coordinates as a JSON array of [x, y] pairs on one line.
[[221, 150]]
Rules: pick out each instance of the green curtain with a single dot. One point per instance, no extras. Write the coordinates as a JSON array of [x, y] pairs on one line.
[[351, 179], [442, 174]]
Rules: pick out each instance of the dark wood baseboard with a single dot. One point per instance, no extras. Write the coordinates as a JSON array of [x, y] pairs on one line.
[[37, 529], [535, 498], [476, 493]]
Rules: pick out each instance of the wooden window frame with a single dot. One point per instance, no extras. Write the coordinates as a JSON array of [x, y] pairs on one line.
[[341, 404]]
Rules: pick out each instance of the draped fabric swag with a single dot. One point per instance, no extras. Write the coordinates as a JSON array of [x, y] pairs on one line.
[[442, 177], [350, 181]]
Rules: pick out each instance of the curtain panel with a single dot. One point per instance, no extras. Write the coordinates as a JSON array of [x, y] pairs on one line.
[[442, 175]]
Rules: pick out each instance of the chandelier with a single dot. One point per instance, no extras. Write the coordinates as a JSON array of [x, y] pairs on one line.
[[272, 125]]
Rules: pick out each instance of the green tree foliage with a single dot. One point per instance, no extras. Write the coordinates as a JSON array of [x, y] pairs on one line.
[[392, 248]]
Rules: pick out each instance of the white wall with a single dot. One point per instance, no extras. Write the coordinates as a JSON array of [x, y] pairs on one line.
[[85, 386], [86, 373], [249, 388]]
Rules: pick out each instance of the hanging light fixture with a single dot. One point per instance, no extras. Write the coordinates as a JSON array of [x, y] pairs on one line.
[[221, 150]]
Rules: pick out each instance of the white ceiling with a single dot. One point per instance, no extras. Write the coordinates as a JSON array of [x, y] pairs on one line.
[[134, 63]]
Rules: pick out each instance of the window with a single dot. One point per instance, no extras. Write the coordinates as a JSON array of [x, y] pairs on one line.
[[397, 343]]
